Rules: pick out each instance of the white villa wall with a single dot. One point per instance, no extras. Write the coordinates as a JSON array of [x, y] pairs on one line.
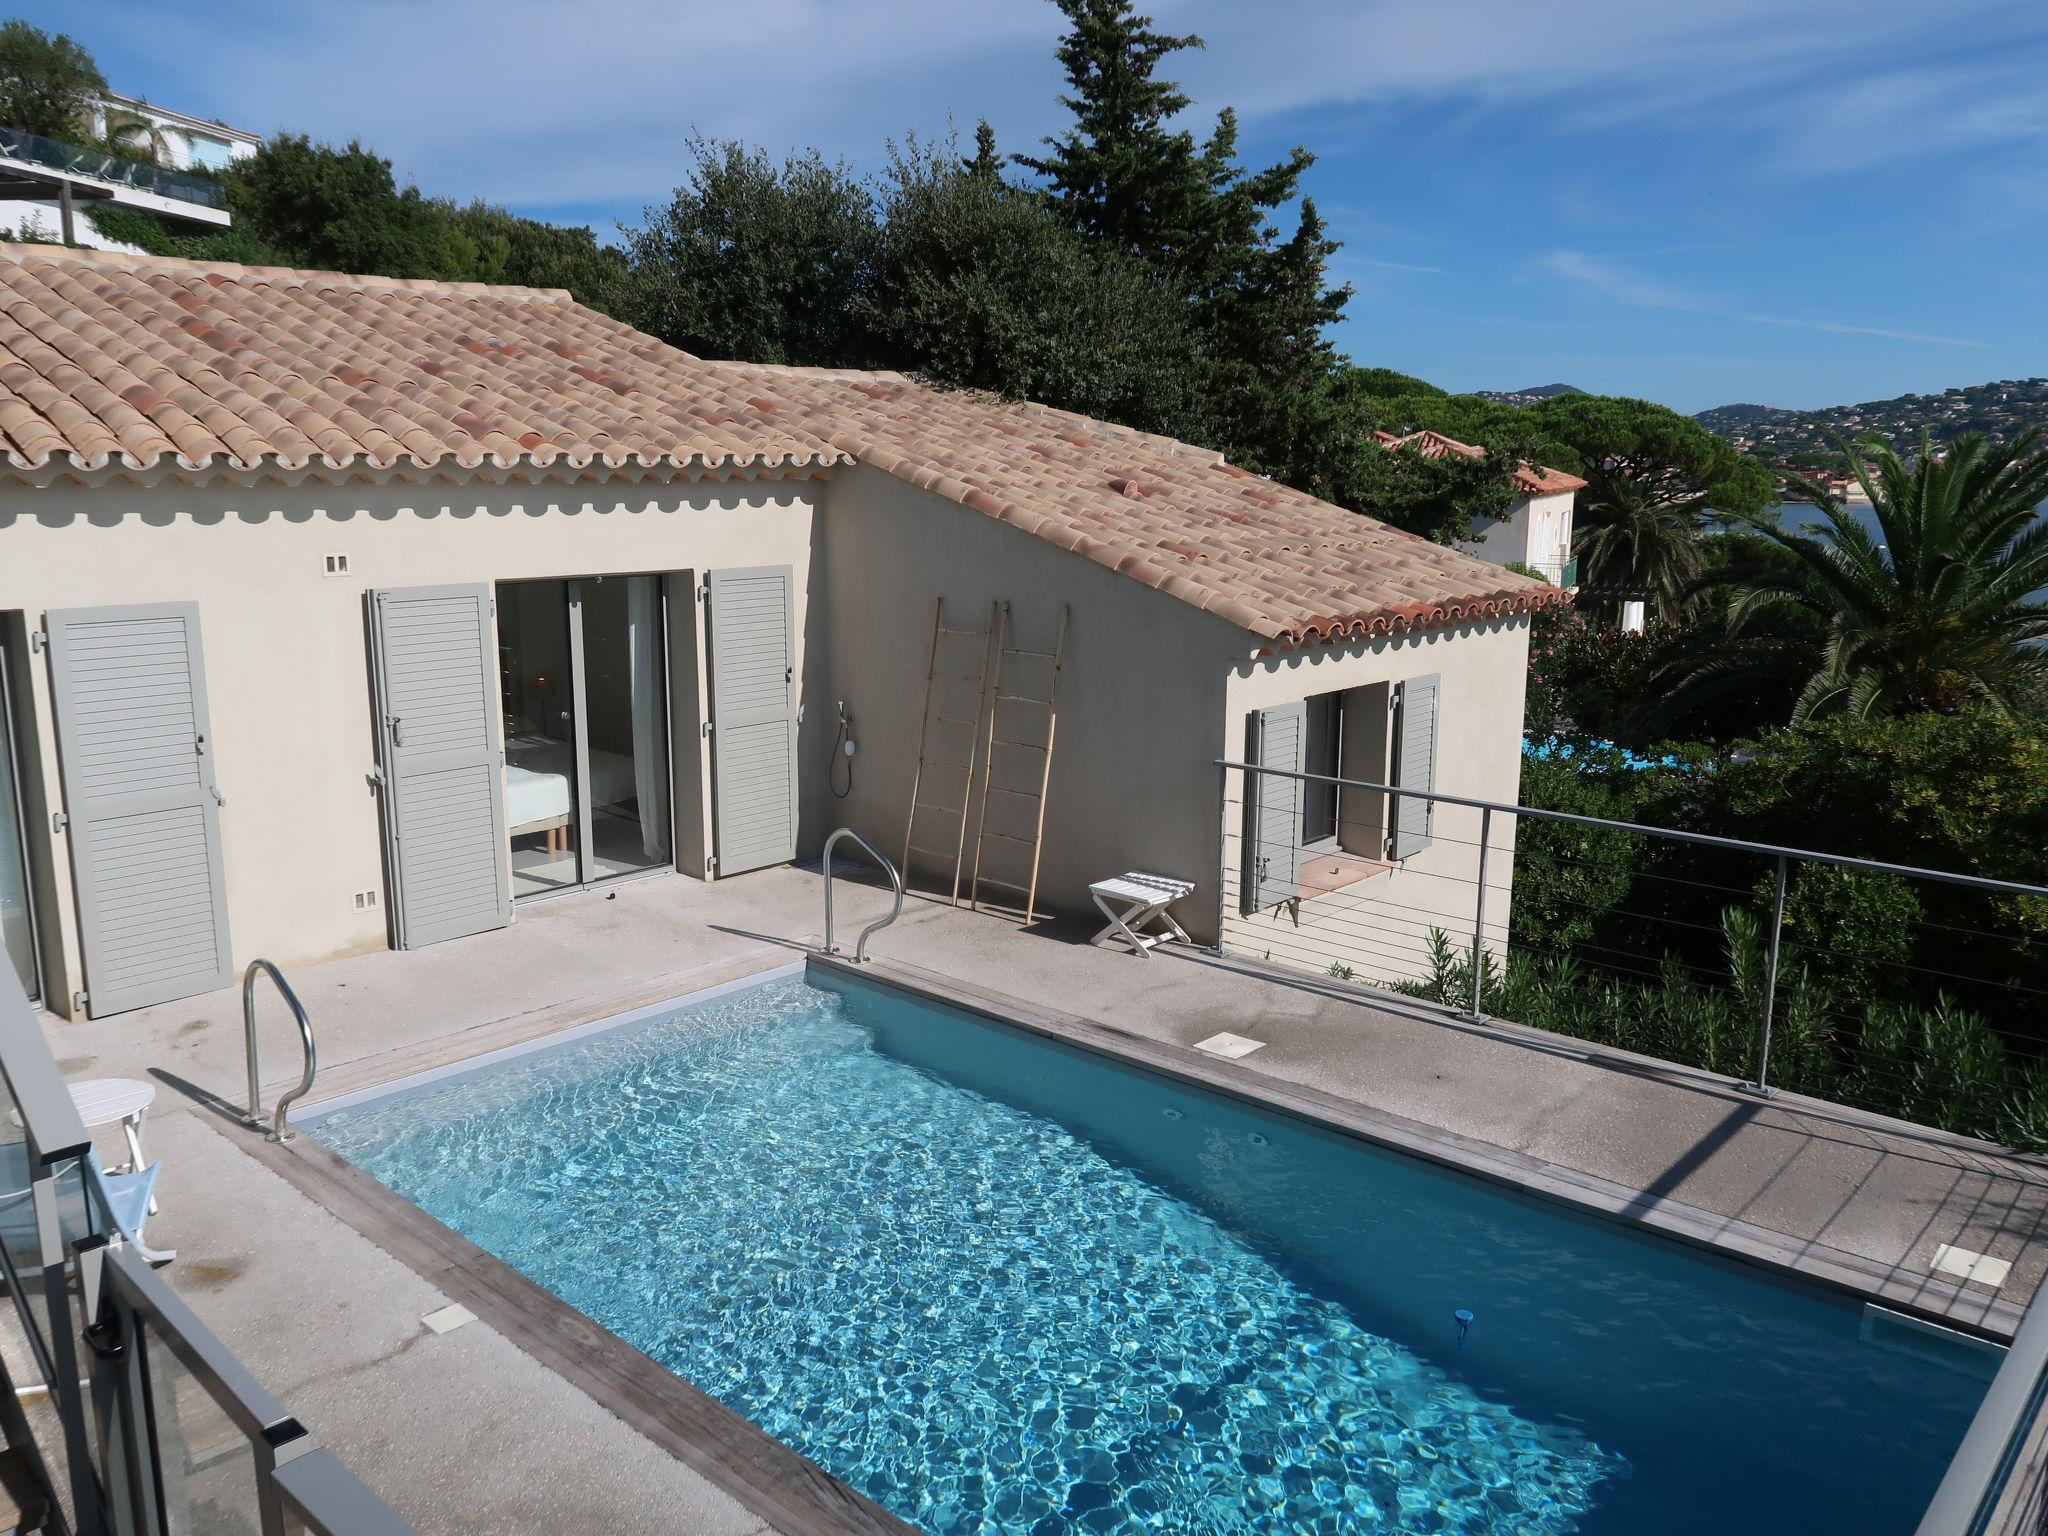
[[1140, 706], [1379, 927], [1155, 692], [286, 653], [1536, 531]]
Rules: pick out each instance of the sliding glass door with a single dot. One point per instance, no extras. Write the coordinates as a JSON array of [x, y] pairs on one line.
[[581, 669], [17, 920]]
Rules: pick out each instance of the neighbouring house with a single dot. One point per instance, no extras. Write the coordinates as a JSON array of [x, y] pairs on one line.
[[343, 612], [174, 139], [1536, 529], [160, 162]]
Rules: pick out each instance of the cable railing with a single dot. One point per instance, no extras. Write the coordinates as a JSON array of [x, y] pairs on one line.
[[1915, 993], [141, 1422]]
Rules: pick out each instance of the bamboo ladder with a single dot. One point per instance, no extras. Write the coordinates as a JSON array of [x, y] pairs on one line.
[[995, 739], [933, 672]]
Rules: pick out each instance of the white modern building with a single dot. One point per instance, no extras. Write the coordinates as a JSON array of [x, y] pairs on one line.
[[168, 170]]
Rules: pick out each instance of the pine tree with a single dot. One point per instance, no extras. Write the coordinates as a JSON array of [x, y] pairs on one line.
[[1259, 307], [984, 161], [1120, 174]]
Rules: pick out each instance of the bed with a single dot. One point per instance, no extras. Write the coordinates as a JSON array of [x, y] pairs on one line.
[[540, 776]]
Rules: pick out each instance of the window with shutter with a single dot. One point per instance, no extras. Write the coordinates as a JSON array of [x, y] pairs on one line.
[[1276, 738], [1415, 765]]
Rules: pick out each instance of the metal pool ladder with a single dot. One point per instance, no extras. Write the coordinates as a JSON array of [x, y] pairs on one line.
[[860, 947], [291, 1000]]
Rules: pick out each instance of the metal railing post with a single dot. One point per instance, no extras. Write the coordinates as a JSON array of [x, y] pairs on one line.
[[1477, 1011], [1222, 848], [1763, 1040]]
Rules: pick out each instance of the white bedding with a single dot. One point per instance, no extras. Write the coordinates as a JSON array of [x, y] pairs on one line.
[[538, 773]]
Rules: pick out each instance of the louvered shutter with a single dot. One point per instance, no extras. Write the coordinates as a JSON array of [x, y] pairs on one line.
[[136, 754], [1276, 738], [443, 768], [753, 718], [1415, 765]]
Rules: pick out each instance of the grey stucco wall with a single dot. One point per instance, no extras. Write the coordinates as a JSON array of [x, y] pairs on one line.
[[286, 656], [1154, 692], [1141, 696]]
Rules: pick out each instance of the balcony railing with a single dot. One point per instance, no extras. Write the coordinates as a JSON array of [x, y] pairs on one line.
[[116, 170], [1741, 958], [145, 1424]]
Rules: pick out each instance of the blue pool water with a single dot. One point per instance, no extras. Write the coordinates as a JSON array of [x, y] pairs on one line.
[[998, 1284]]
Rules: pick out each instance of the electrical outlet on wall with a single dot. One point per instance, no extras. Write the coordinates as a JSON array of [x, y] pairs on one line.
[[366, 901], [334, 565]]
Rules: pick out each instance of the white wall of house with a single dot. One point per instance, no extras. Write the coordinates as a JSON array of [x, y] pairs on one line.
[[1536, 531], [1378, 927], [26, 220], [286, 653], [1140, 699], [1153, 692]]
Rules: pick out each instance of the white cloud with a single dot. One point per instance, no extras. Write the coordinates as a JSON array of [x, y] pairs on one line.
[[539, 103], [1623, 286]]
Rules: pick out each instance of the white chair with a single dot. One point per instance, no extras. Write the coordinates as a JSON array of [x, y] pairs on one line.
[[127, 1201], [1130, 901]]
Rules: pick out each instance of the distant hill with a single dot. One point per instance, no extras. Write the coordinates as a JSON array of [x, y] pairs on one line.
[[1528, 396], [1804, 439], [1726, 420]]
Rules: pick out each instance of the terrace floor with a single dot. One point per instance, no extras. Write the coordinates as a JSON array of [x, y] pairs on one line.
[[468, 1431]]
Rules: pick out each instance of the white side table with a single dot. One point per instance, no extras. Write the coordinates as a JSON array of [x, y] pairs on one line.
[[104, 1100]]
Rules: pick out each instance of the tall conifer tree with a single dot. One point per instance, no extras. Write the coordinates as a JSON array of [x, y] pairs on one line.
[[1126, 176]]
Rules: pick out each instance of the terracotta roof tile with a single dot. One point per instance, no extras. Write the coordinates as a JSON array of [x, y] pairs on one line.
[[125, 361], [1530, 479], [1282, 564], [113, 359]]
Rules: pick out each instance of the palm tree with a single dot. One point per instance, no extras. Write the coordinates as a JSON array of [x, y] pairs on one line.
[[1645, 545], [1946, 606]]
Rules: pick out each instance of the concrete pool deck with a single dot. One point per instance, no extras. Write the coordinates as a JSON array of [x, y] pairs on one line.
[[467, 1431]]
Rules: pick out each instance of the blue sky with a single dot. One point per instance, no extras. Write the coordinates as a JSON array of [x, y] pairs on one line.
[[1798, 202]]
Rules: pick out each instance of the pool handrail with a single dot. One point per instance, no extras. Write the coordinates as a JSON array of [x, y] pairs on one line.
[[860, 947], [291, 999]]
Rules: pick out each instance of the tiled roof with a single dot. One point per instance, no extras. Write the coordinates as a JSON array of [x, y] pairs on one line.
[[1283, 564], [112, 362], [1530, 479], [1538, 481]]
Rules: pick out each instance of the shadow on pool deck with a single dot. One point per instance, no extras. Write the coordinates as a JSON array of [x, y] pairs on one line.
[[446, 1426]]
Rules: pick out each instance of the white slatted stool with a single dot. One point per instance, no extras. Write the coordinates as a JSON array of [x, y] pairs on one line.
[[1130, 901]]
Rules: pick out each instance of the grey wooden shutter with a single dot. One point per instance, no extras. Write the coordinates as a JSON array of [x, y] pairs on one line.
[[753, 718], [443, 769], [143, 814], [1275, 738], [1415, 765]]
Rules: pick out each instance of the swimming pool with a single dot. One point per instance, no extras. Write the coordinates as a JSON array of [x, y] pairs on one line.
[[996, 1282]]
